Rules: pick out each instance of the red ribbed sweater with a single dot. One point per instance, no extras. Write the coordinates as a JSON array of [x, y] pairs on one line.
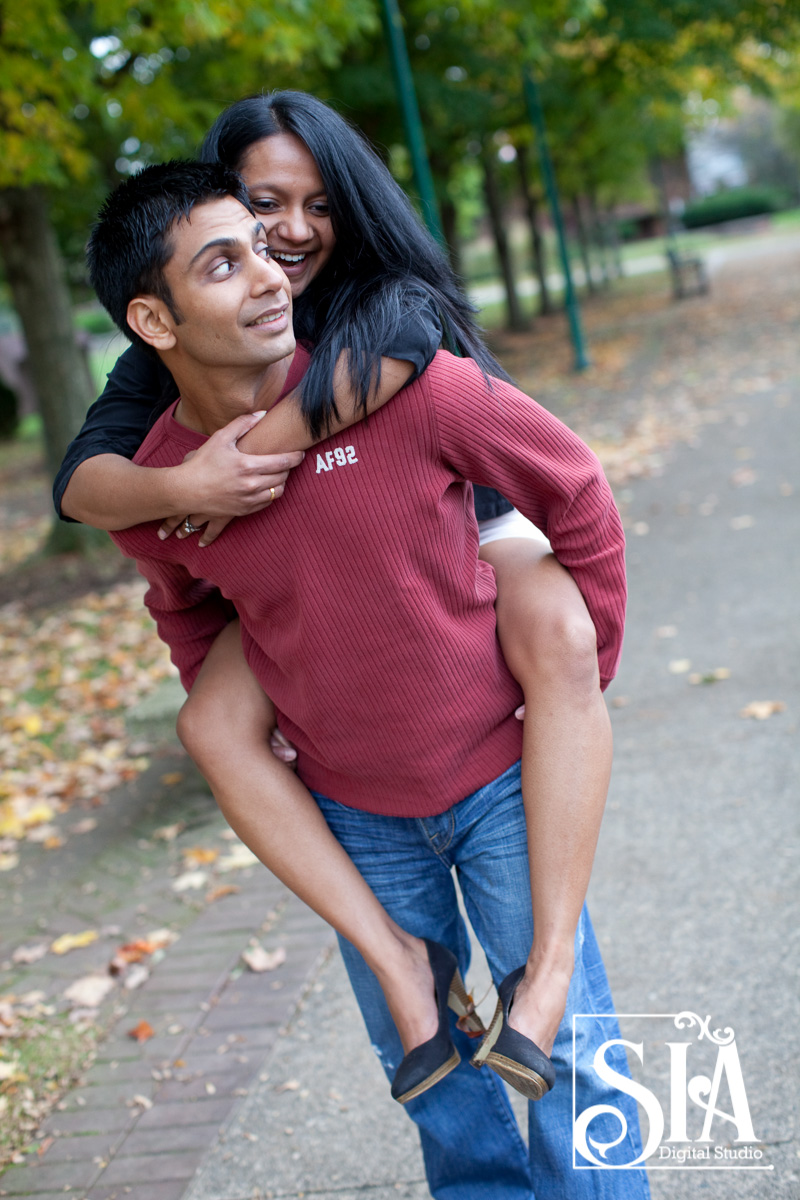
[[366, 614]]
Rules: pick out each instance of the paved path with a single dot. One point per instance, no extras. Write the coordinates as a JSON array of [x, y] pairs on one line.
[[695, 895]]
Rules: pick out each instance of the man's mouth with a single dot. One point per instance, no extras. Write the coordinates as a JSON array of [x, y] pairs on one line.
[[267, 318]]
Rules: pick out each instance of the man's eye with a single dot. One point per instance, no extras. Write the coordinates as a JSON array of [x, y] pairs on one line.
[[263, 250], [220, 269]]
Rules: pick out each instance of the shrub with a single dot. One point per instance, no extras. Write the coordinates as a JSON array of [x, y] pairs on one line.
[[734, 204]]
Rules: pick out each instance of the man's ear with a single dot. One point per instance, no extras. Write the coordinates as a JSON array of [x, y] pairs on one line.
[[151, 319]]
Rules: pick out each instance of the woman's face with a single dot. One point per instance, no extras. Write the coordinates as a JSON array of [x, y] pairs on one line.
[[287, 193]]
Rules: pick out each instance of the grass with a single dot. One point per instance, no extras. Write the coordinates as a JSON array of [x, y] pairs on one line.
[[46, 1057]]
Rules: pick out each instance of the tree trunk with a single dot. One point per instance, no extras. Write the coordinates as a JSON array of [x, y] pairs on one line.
[[599, 231], [537, 241], [516, 319], [583, 244], [449, 229], [616, 248], [35, 274]]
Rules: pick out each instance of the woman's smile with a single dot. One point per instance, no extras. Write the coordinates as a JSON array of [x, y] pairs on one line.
[[287, 193]]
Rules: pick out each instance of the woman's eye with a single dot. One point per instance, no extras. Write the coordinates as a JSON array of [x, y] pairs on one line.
[[320, 209], [263, 204]]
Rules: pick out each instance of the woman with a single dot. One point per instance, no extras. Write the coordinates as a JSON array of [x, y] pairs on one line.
[[374, 295]]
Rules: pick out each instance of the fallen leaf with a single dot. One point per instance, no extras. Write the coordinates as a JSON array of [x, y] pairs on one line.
[[291, 1085], [171, 778], [159, 938], [667, 631], [679, 666], [715, 676], [29, 954], [641, 528], [258, 959], [168, 833], [139, 1102], [84, 826], [142, 1032], [198, 856], [190, 881], [744, 522], [41, 833], [760, 710], [223, 889], [90, 991], [210, 1089], [8, 862], [73, 941], [136, 976], [238, 858]]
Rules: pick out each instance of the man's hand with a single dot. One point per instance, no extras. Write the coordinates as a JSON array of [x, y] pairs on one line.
[[224, 483]]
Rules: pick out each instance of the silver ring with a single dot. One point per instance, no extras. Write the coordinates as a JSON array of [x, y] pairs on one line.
[[188, 527]]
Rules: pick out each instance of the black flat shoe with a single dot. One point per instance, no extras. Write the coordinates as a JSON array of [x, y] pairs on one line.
[[514, 1057], [425, 1065]]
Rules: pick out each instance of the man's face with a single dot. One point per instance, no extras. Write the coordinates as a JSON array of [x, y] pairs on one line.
[[234, 302]]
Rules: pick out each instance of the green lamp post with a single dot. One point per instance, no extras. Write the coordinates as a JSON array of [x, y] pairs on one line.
[[536, 115], [411, 119]]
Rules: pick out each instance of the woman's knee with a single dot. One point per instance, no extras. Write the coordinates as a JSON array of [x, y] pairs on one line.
[[546, 632]]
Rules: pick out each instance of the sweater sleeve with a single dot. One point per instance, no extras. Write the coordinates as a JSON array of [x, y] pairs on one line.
[[497, 436], [189, 613], [138, 389]]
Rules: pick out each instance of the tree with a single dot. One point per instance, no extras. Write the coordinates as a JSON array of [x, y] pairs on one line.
[[88, 92]]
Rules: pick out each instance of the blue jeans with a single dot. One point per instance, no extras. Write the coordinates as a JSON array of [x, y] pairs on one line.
[[471, 1143]]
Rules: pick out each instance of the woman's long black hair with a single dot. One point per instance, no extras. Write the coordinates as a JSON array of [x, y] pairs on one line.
[[384, 260]]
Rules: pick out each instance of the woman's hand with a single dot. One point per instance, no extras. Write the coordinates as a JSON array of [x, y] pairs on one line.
[[225, 483]]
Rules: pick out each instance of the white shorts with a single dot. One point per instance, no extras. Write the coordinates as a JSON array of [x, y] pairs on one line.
[[510, 525]]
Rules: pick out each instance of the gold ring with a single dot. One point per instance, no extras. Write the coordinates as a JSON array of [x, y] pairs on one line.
[[271, 495]]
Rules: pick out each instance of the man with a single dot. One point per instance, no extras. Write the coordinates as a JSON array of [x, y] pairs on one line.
[[369, 621]]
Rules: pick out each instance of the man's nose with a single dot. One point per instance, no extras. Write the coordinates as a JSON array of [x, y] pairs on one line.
[[269, 276]]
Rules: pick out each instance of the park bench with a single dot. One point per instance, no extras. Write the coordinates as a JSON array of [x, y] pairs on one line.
[[689, 275]]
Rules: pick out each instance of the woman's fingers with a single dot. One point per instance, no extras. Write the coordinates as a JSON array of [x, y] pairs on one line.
[[169, 526], [281, 747]]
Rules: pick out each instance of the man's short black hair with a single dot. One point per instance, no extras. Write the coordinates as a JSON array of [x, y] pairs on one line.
[[130, 244]]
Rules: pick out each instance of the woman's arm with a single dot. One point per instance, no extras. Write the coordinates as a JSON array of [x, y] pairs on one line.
[[110, 492], [97, 484]]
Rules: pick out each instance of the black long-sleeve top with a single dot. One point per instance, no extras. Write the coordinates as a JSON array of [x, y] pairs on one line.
[[140, 388]]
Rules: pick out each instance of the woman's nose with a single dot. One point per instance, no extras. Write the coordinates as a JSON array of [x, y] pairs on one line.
[[294, 226]]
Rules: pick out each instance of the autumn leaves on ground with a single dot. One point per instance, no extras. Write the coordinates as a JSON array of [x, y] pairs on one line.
[[77, 649]]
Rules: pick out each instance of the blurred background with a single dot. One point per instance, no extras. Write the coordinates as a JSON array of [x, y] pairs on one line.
[[618, 186]]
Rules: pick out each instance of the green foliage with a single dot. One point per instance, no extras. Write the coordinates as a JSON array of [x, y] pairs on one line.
[[734, 204], [79, 80]]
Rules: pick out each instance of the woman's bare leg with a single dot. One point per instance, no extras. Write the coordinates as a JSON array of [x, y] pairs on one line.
[[225, 725], [549, 644]]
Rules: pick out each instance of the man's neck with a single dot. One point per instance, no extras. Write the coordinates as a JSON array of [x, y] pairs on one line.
[[212, 398]]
